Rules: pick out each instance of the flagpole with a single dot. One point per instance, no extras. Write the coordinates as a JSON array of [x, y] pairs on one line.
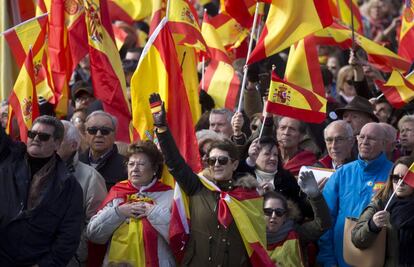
[[264, 114], [393, 193], [167, 10], [245, 67], [352, 25], [203, 65]]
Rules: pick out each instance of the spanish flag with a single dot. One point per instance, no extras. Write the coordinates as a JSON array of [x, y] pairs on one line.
[[28, 35], [23, 99], [301, 95], [406, 38], [129, 10], [409, 176], [245, 208], [159, 71], [341, 9], [239, 10], [67, 46], [183, 20], [106, 68], [220, 80], [230, 32], [381, 57], [287, 252], [287, 23], [398, 90]]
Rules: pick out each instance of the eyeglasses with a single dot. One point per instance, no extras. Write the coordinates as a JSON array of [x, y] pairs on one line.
[[82, 98], [42, 136], [350, 82], [94, 130], [396, 178], [269, 212], [222, 160], [406, 130], [370, 139], [330, 140]]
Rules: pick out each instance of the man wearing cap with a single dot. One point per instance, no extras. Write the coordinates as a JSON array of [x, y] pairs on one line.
[[83, 97], [350, 189], [357, 113]]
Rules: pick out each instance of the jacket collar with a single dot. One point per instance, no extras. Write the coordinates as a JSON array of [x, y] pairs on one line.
[[375, 164]]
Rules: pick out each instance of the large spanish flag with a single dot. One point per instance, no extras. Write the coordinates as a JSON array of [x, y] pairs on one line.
[[287, 23], [129, 10], [406, 39], [398, 90], [341, 9], [67, 46], [301, 95], [106, 68], [28, 35], [159, 71], [220, 80], [23, 99], [380, 56]]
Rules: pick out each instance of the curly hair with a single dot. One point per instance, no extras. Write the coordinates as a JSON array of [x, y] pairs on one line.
[[151, 151]]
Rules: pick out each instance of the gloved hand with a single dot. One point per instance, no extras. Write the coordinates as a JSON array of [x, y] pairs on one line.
[[158, 111], [308, 184]]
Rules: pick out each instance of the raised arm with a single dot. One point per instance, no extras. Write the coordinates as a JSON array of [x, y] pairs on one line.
[[177, 166]]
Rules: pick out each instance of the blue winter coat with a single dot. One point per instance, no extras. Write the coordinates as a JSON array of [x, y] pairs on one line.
[[348, 192]]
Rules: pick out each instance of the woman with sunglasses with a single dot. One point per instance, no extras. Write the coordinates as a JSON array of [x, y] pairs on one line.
[[287, 240], [398, 219], [134, 218], [218, 204]]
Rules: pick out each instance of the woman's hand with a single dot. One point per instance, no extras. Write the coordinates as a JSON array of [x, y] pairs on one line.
[[254, 150], [308, 184], [135, 209], [381, 218]]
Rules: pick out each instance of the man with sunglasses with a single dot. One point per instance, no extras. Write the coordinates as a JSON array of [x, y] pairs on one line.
[[350, 189], [41, 209], [103, 153]]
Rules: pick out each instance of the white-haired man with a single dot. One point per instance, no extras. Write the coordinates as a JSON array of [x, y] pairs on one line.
[[92, 183]]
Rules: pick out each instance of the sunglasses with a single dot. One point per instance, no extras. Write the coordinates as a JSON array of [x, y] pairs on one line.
[[396, 178], [222, 160], [42, 136], [103, 130], [350, 82], [278, 212]]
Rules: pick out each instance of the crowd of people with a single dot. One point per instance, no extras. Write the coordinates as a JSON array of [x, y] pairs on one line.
[[75, 196]]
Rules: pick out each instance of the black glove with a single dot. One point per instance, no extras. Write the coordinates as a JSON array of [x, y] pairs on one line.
[[158, 111]]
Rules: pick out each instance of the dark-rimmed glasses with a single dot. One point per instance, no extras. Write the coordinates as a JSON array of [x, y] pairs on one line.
[[42, 136], [94, 130], [222, 160], [269, 212]]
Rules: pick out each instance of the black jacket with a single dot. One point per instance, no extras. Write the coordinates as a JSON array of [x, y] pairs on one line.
[[112, 167], [48, 234]]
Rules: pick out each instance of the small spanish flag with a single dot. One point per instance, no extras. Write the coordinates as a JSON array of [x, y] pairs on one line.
[[409, 176]]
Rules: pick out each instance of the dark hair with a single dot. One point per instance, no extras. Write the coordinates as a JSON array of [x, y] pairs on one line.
[[151, 151], [225, 145], [275, 195], [59, 129], [387, 190]]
